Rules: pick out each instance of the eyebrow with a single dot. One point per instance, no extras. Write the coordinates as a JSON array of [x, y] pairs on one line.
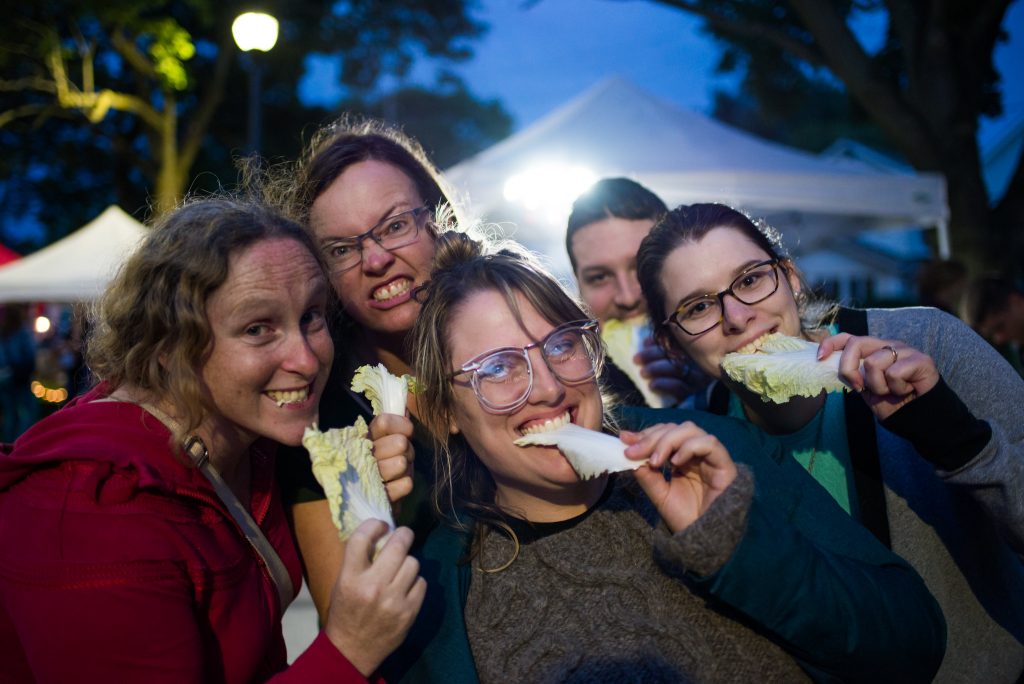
[[388, 213], [697, 294]]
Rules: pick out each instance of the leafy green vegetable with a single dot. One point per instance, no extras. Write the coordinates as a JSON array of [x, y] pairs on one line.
[[784, 367], [386, 392], [589, 453], [623, 340], [344, 465]]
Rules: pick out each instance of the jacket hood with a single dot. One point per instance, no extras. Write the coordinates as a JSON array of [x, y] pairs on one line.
[[119, 434]]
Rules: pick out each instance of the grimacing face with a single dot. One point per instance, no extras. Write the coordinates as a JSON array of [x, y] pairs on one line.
[[270, 351], [605, 254], [536, 481], [377, 293], [708, 266]]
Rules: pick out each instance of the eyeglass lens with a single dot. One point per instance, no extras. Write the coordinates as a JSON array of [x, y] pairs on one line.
[[391, 233], [503, 378], [750, 287]]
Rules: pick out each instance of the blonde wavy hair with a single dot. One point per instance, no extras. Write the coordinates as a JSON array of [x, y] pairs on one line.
[[150, 329]]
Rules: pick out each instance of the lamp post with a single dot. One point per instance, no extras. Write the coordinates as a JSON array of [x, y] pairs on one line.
[[254, 31]]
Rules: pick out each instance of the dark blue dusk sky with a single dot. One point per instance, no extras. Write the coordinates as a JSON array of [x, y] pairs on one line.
[[536, 56]]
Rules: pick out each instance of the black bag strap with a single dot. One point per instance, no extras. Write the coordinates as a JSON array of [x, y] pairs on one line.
[[863, 440]]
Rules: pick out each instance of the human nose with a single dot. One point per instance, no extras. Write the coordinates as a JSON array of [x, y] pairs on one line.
[[627, 291], [375, 258], [300, 355], [547, 388], [735, 314]]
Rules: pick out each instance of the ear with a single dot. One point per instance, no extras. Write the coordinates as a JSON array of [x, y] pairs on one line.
[[792, 275], [453, 428]]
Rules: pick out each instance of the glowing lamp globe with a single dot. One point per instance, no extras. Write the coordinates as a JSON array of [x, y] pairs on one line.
[[254, 31]]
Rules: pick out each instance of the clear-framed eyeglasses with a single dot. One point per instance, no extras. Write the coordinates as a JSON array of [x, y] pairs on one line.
[[698, 315], [396, 231], [503, 378]]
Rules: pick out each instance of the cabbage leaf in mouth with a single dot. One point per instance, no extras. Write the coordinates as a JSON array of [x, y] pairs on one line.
[[784, 367], [590, 453], [622, 340]]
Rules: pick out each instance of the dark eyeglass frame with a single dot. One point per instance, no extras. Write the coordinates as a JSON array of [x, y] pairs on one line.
[[477, 362], [356, 241], [674, 316]]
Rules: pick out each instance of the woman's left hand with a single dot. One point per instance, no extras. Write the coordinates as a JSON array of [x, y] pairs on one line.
[[393, 450], [887, 373], [701, 469]]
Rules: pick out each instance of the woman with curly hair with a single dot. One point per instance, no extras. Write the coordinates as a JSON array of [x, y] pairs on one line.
[[142, 536]]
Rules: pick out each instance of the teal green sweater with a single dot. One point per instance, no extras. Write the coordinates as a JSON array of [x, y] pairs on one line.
[[816, 582]]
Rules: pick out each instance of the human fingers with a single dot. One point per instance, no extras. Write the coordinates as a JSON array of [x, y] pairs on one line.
[[661, 441], [393, 554], [360, 545], [399, 488], [641, 444], [390, 424], [831, 344], [393, 465], [652, 482], [405, 578], [879, 357]]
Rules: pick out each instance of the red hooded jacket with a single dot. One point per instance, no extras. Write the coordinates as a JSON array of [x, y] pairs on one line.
[[118, 562]]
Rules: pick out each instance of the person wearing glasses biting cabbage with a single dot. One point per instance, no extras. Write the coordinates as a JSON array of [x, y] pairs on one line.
[[927, 451], [712, 559]]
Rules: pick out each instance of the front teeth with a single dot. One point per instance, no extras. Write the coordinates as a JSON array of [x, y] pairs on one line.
[[548, 425], [391, 290], [754, 346], [288, 396]]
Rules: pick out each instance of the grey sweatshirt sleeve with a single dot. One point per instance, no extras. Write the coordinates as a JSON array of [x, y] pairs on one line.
[[991, 391]]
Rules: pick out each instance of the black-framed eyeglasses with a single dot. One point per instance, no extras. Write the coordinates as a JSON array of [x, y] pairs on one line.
[[393, 232], [698, 315], [503, 378]]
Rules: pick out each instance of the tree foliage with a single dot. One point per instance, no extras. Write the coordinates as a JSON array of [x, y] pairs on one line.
[[924, 90], [139, 101]]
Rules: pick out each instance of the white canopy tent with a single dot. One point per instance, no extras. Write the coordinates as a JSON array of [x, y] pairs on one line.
[[77, 267], [617, 129]]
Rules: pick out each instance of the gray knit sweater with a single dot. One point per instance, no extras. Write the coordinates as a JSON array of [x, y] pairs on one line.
[[963, 529], [599, 600]]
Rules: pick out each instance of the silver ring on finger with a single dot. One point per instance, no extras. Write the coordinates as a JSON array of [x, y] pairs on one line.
[[892, 350]]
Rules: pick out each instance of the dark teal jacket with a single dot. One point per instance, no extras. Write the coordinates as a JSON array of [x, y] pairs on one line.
[[805, 574]]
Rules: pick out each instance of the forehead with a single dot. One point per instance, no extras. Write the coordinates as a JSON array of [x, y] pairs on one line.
[[484, 321], [360, 197], [710, 263], [609, 241], [268, 270]]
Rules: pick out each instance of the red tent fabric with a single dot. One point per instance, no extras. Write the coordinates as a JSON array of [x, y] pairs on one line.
[[8, 255]]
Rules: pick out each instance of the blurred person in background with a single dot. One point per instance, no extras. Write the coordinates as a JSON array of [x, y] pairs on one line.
[[994, 306], [19, 408], [942, 283], [604, 231]]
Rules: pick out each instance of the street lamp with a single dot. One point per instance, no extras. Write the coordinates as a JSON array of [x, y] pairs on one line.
[[254, 31]]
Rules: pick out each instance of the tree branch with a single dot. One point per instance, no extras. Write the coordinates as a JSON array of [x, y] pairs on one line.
[[847, 59], [132, 55], [28, 83], [748, 29], [19, 113]]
